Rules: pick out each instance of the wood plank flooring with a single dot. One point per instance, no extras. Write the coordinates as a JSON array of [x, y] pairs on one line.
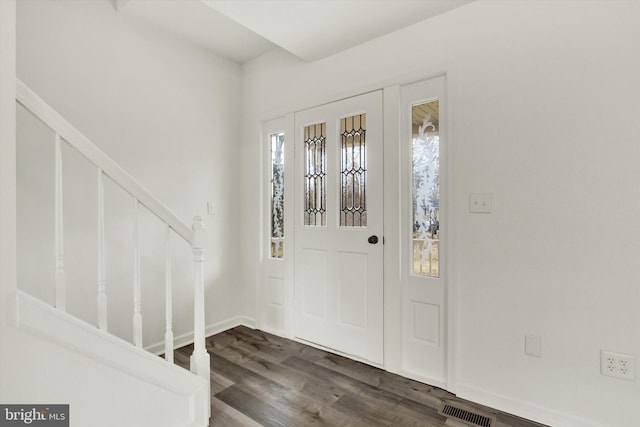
[[258, 379]]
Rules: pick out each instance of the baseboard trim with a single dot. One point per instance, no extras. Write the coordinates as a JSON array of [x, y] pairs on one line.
[[216, 328], [521, 408]]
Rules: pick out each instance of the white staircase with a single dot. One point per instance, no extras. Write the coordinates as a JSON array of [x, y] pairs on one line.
[[93, 341]]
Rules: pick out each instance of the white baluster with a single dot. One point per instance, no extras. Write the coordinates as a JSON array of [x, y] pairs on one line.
[[200, 358], [137, 310], [102, 277], [59, 228], [168, 335]]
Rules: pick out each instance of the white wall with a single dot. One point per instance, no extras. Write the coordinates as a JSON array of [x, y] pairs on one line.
[[545, 118], [168, 113]]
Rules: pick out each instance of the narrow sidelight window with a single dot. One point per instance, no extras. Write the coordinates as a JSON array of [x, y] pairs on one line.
[[426, 188], [277, 195]]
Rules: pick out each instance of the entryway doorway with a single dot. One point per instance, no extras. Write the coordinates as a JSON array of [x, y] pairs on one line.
[[330, 276]]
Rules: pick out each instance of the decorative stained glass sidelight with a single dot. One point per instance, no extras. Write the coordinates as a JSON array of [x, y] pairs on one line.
[[277, 195], [353, 171], [315, 175], [426, 188]]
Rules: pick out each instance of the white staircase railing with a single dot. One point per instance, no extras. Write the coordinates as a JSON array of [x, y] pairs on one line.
[[194, 236]]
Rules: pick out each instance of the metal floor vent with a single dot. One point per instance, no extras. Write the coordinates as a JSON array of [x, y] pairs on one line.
[[467, 416]]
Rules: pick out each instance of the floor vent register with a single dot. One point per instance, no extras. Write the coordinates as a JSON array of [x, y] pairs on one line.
[[468, 417]]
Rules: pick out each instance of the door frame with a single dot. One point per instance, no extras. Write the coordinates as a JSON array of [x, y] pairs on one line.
[[392, 334]]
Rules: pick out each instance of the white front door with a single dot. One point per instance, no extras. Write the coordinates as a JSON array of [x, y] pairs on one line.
[[338, 226]]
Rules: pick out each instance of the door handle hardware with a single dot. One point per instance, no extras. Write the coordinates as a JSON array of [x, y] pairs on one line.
[[373, 239]]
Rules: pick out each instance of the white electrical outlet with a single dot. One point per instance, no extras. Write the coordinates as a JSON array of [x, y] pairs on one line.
[[618, 365]]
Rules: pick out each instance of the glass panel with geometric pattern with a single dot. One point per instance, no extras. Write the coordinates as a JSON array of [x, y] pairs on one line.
[[315, 175], [353, 171], [426, 188], [277, 195]]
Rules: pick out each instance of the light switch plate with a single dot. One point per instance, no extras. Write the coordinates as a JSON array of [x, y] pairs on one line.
[[480, 203]]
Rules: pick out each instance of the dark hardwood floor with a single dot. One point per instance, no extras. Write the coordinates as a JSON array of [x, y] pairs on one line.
[[258, 379]]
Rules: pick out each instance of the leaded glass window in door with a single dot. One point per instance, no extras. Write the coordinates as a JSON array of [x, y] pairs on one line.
[[315, 175], [353, 171], [277, 195], [426, 188]]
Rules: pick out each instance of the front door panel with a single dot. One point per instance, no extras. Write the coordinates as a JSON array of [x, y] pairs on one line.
[[338, 208]]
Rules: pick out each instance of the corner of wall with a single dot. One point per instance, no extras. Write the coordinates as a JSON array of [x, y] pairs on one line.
[[7, 180]]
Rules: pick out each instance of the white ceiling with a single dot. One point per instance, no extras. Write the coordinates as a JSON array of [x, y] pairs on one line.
[[241, 30]]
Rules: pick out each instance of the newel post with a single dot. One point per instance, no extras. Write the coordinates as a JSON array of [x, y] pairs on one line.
[[200, 358]]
